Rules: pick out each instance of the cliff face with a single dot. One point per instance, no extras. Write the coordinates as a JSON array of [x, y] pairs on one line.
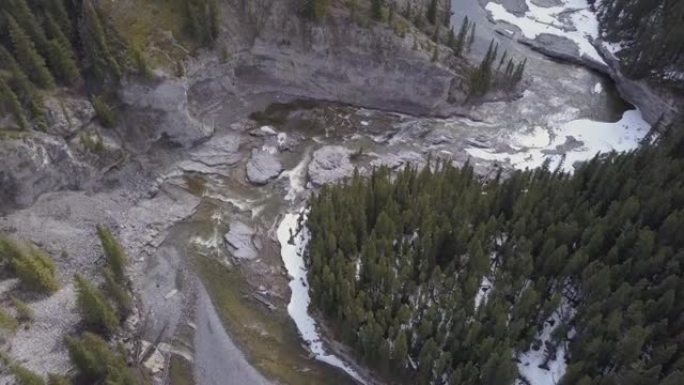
[[657, 104], [267, 52]]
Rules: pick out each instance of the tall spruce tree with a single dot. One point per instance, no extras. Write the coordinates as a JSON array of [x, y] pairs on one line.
[[9, 99], [28, 56]]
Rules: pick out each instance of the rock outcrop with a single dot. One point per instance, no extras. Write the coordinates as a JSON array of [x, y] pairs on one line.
[[159, 109], [330, 164], [241, 241], [655, 104], [65, 115], [36, 164], [262, 167]]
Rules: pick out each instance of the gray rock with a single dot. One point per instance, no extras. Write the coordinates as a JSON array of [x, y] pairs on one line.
[[65, 114], [330, 164], [219, 150], [342, 61], [160, 110], [653, 103], [34, 165], [397, 160], [241, 241], [263, 166], [564, 49]]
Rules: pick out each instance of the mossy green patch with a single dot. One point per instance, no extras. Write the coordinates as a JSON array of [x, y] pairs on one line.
[[269, 339]]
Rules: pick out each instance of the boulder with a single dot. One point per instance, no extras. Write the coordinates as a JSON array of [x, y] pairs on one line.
[[160, 110], [36, 164], [66, 115], [263, 166], [240, 240], [330, 164], [219, 150]]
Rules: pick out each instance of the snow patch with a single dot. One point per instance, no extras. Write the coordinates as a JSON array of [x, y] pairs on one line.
[[293, 241], [483, 292], [583, 138], [530, 361], [572, 19], [268, 130], [598, 88], [297, 177]]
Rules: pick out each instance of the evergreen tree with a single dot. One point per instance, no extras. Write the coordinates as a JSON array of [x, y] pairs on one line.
[[462, 36], [26, 54], [9, 99], [376, 10], [99, 57], [471, 36], [96, 363], [592, 252], [62, 53], [94, 308], [57, 11], [431, 12], [116, 257]]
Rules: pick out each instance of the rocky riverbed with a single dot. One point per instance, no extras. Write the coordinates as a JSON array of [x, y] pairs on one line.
[[197, 177]]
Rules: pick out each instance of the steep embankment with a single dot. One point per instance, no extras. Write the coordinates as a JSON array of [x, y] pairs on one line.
[[265, 52], [571, 31]]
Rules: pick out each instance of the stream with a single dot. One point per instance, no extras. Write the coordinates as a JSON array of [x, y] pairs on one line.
[[567, 113]]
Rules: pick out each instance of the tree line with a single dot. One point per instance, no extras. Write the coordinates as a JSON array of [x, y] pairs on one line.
[[396, 262], [636, 25]]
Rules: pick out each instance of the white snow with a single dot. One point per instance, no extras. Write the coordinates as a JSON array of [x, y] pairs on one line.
[[292, 254], [614, 48], [572, 19], [595, 137], [598, 88], [483, 292], [357, 269], [297, 177], [282, 138], [268, 130], [528, 367]]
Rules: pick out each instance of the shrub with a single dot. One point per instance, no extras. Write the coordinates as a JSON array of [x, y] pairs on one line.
[[104, 112], [97, 363], [34, 268], [116, 257], [7, 322], [58, 379], [94, 308], [24, 312], [118, 293], [25, 376]]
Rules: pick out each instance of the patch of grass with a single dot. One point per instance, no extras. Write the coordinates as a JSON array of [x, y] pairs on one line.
[[57, 379], [133, 20], [180, 371], [24, 312], [7, 322], [196, 184], [270, 340], [24, 376]]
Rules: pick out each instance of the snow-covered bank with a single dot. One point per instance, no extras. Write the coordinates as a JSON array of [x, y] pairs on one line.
[[293, 242], [572, 19], [540, 367], [577, 140]]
